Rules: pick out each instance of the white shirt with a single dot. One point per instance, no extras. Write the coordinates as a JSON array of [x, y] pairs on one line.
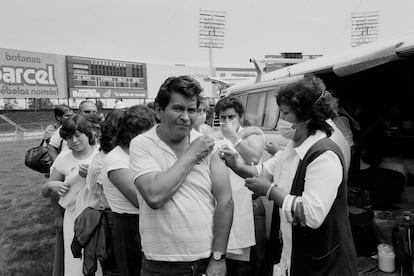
[[91, 194], [182, 229], [322, 179], [242, 230], [68, 165], [56, 140], [114, 160]]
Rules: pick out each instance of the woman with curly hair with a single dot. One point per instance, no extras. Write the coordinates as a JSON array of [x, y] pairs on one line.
[[307, 183]]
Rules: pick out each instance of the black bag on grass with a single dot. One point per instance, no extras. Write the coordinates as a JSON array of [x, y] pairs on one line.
[[38, 159]]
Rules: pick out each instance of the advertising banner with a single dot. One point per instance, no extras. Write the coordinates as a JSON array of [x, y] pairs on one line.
[[100, 78], [32, 75]]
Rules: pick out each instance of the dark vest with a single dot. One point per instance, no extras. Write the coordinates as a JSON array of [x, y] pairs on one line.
[[328, 250]]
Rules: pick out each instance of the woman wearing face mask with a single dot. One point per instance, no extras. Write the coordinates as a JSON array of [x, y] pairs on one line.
[[286, 131], [307, 184]]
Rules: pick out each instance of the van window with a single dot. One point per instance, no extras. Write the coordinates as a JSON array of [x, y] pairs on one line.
[[243, 100], [255, 108], [272, 111]]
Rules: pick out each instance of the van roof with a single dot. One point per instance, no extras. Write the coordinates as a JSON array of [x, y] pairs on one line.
[[347, 62]]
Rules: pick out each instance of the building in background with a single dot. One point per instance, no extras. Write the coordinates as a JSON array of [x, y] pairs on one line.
[[274, 62]]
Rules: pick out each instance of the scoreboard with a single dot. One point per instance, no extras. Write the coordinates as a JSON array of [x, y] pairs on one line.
[[101, 78]]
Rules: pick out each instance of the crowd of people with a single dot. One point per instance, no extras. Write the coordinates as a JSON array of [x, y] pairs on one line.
[[154, 190]]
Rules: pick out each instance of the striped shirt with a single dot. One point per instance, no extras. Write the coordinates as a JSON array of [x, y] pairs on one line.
[[182, 229]]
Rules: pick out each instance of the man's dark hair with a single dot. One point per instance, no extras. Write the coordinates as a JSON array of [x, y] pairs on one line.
[[229, 102], [77, 123], [309, 100], [60, 110], [136, 120], [184, 85]]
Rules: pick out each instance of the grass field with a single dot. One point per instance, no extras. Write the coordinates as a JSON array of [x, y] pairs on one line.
[[26, 218]]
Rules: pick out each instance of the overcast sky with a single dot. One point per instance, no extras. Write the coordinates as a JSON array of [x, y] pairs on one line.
[[166, 32]]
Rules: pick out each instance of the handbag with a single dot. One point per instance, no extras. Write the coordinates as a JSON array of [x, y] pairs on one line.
[[38, 159]]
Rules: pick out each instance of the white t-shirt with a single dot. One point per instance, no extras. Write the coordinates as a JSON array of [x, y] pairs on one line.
[[56, 140], [91, 194], [182, 229], [114, 160], [242, 230], [68, 165]]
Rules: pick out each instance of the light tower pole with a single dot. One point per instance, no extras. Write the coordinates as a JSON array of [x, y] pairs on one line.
[[211, 35]]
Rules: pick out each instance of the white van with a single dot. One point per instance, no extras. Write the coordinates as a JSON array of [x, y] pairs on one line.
[[371, 75]]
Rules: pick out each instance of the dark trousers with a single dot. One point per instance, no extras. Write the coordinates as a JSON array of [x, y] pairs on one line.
[[238, 268], [109, 266], [58, 262], [159, 268], [127, 243]]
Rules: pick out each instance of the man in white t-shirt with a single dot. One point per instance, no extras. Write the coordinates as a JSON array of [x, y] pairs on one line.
[[186, 208]]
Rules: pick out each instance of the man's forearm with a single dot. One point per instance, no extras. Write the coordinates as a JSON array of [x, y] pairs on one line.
[[164, 185], [223, 219]]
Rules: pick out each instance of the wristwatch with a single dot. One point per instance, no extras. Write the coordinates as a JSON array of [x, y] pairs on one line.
[[218, 256]]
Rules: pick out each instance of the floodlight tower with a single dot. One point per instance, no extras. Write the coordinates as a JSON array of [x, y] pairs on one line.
[[211, 34], [365, 27]]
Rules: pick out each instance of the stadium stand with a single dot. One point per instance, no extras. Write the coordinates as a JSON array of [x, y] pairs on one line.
[[30, 119], [6, 126]]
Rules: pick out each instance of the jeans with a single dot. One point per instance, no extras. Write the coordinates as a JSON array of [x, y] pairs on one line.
[[160, 268]]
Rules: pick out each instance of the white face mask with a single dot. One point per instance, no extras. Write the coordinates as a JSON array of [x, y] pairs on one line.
[[286, 129], [233, 125]]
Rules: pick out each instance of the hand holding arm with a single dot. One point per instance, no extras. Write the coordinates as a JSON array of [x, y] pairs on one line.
[[235, 162], [158, 187], [271, 148], [250, 131]]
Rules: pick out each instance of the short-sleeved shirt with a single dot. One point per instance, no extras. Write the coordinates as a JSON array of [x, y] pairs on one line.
[[50, 129], [68, 165], [116, 159], [182, 229], [57, 141], [91, 194]]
